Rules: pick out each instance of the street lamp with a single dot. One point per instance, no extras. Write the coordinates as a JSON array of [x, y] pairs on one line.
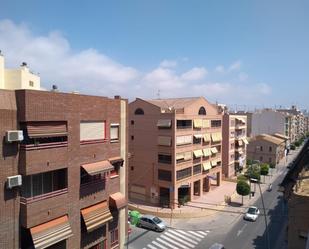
[[265, 218]]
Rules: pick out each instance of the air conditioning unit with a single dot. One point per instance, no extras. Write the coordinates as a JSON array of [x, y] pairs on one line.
[[14, 181], [14, 136]]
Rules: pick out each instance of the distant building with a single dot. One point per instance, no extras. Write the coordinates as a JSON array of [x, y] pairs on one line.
[[63, 178], [234, 143], [175, 147], [266, 148], [20, 78]]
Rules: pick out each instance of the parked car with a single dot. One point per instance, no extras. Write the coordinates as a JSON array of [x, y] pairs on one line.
[[152, 222], [252, 213], [217, 246]]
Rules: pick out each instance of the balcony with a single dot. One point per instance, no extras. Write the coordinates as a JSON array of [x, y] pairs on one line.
[[92, 187], [42, 208], [33, 159]]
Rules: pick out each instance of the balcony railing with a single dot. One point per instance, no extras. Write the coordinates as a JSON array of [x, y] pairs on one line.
[[43, 145], [24, 200], [92, 187]]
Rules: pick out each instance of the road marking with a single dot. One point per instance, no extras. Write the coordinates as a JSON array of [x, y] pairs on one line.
[[172, 241], [165, 243], [190, 235], [241, 230], [201, 232], [159, 245], [197, 234], [180, 240], [183, 237], [151, 247]]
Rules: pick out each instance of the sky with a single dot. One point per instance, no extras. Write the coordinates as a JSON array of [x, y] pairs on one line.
[[246, 54]]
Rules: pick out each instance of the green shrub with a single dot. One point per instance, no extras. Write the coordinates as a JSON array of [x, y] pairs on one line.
[[297, 143], [292, 147], [272, 165], [243, 188], [242, 178]]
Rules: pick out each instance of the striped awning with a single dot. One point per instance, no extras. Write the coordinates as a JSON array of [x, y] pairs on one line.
[[206, 166], [216, 137], [214, 163], [197, 123], [180, 156], [198, 135], [96, 216], [205, 123], [97, 167], [164, 140], [46, 129], [214, 150], [207, 138], [117, 200], [50, 233], [198, 153], [245, 140], [207, 152]]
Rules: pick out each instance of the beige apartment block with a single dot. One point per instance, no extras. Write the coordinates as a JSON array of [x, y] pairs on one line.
[[175, 147], [20, 78], [266, 148], [234, 143]]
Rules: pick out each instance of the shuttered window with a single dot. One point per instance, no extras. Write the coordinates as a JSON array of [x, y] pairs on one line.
[[114, 132], [164, 141], [181, 140], [92, 130]]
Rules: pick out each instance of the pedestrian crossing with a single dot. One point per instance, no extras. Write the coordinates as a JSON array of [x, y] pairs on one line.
[[177, 239]]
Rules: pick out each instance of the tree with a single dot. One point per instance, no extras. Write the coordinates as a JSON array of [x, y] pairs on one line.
[[242, 189], [242, 178], [249, 162], [254, 172], [264, 169]]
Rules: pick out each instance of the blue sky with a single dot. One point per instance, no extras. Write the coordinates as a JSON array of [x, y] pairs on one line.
[[253, 53]]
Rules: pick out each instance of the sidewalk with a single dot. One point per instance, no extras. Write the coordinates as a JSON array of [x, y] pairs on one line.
[[214, 201]]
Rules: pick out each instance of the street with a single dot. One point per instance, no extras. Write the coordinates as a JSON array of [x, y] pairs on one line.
[[227, 226]]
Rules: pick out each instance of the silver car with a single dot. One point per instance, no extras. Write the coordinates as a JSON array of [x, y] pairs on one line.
[[252, 213], [152, 222]]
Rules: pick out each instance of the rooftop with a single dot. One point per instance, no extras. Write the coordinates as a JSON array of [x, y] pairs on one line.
[[270, 138], [174, 103]]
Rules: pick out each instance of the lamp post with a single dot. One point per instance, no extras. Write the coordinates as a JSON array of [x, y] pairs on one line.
[[265, 218]]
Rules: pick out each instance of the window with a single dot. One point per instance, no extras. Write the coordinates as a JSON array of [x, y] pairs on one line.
[[114, 132], [164, 141], [261, 158], [197, 169], [184, 124], [164, 175], [31, 83], [132, 137], [101, 245], [270, 160], [270, 149], [132, 122], [184, 173], [132, 168], [114, 237], [261, 148], [202, 111], [215, 123], [165, 159], [114, 172], [43, 183], [139, 111], [92, 130], [232, 122], [85, 178]]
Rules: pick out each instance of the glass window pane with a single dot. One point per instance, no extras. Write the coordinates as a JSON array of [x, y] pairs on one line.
[[37, 184], [26, 187], [47, 182]]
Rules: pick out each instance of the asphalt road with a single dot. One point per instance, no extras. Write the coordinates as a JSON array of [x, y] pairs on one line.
[[227, 228]]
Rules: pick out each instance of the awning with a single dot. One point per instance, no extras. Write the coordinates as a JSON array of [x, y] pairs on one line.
[[198, 153], [214, 150], [164, 140], [180, 156], [207, 152], [206, 166], [197, 123], [46, 129], [205, 123], [214, 163], [165, 123], [114, 160], [245, 140], [51, 232], [198, 135], [96, 216], [207, 138], [117, 200], [98, 167], [241, 120], [188, 155], [216, 137]]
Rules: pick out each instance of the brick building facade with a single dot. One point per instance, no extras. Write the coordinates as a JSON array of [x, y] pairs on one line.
[[73, 166]]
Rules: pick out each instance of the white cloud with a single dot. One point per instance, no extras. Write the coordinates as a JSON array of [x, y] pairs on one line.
[[235, 66], [220, 69], [92, 72], [168, 63], [196, 73]]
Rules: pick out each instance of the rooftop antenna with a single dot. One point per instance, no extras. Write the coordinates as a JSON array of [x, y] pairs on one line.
[[159, 94]]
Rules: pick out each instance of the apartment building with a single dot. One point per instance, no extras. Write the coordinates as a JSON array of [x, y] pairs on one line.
[[63, 171], [19, 78], [234, 143], [266, 148], [175, 147]]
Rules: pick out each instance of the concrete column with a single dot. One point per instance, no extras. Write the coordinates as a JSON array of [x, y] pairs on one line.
[[174, 197], [218, 178]]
